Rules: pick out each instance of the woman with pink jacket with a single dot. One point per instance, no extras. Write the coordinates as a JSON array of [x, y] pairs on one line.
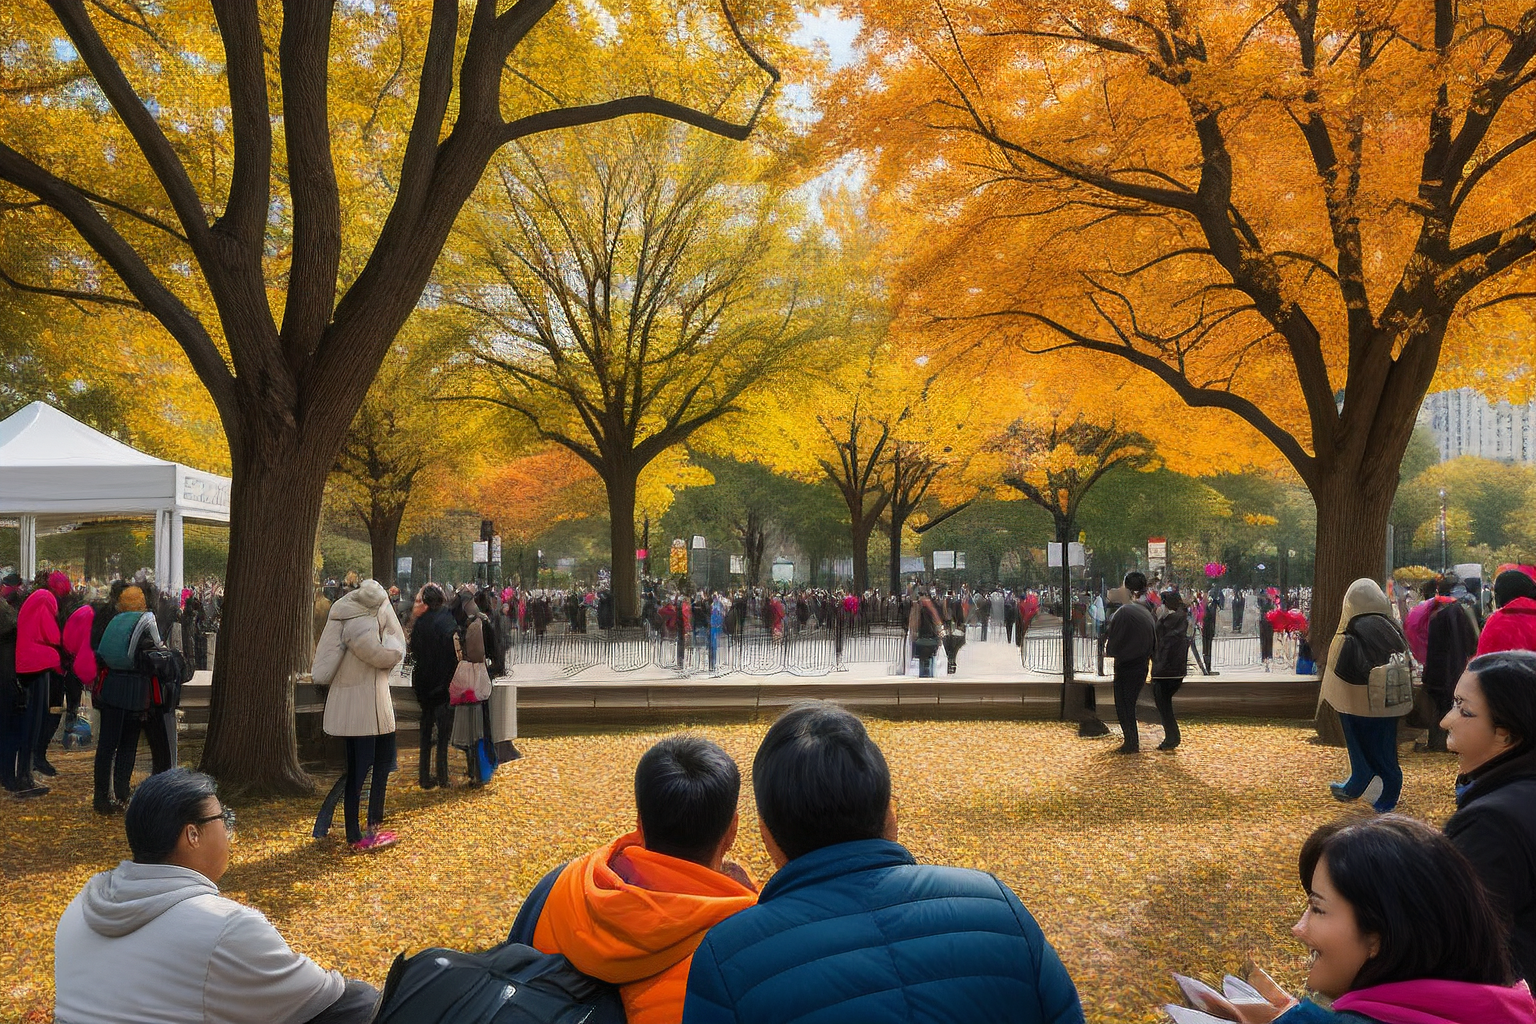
[[39, 644]]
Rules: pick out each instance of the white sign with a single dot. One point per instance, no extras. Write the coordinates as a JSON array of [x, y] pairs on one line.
[[698, 542], [783, 572], [496, 549], [1157, 552], [1053, 554], [959, 559], [943, 560], [738, 565], [403, 565], [482, 552]]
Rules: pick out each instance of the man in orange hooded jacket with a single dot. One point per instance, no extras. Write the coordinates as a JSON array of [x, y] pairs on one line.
[[633, 912]]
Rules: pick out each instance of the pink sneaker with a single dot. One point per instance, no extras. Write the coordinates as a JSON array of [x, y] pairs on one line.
[[374, 841]]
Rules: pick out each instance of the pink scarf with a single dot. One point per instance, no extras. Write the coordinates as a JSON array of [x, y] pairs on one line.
[[1433, 1001]]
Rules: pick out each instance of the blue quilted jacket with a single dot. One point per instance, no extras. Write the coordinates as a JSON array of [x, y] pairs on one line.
[[860, 933]]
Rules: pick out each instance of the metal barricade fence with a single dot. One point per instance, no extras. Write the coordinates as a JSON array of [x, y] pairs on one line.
[[809, 652], [1042, 653]]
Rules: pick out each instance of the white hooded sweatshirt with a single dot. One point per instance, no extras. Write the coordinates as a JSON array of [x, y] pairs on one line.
[[165, 948]]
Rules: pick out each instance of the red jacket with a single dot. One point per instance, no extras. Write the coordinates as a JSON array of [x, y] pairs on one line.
[[37, 633], [1511, 628]]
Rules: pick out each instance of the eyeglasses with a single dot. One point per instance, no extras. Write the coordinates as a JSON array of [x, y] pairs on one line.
[[227, 814]]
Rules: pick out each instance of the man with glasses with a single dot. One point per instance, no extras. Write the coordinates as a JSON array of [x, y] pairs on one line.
[[168, 948]]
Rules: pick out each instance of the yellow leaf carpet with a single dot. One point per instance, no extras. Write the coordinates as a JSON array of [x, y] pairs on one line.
[[1134, 866]]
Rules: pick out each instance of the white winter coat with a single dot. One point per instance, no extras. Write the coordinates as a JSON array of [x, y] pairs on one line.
[[360, 646]]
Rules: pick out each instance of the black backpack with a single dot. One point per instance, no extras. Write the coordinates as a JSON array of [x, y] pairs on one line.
[[511, 984]]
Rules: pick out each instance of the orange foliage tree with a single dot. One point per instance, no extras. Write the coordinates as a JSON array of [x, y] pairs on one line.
[[1293, 212]]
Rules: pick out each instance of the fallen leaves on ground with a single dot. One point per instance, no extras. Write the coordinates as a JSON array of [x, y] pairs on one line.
[[1134, 866]]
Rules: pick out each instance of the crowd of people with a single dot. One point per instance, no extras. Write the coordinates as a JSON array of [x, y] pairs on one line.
[[59, 642], [1403, 923]]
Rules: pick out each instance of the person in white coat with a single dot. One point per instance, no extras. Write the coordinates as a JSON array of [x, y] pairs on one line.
[[360, 648], [176, 951]]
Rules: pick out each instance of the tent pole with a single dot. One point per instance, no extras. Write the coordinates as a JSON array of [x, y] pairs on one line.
[[27, 544], [177, 572]]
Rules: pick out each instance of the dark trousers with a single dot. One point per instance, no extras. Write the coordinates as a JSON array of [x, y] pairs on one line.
[[13, 741], [118, 748], [1435, 740], [1162, 695], [437, 717], [365, 753], [1130, 677], [1202, 663], [40, 723], [355, 1005], [1372, 745]]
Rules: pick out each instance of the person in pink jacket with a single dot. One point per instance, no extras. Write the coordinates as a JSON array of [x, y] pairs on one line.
[[80, 666], [1513, 626], [39, 644]]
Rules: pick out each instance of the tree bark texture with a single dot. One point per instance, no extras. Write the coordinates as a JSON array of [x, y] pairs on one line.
[[383, 537], [898, 522], [621, 484], [274, 512]]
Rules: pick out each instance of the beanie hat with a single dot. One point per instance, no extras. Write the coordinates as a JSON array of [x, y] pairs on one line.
[[1510, 584], [131, 600], [58, 582]]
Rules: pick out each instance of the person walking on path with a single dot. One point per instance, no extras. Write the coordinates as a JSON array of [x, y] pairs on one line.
[[474, 646], [1170, 662], [924, 627], [432, 652], [359, 650], [1130, 640], [1368, 682]]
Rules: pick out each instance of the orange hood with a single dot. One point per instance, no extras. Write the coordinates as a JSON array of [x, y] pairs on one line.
[[633, 917]]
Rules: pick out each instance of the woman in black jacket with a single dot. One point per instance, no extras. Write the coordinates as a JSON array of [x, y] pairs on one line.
[[1492, 730], [1170, 662]]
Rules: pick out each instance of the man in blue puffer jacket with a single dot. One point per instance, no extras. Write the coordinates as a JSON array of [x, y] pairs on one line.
[[851, 928]]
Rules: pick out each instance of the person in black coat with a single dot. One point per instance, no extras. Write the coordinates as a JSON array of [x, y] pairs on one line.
[[1170, 662], [1492, 730], [1452, 643], [1130, 640], [434, 661]]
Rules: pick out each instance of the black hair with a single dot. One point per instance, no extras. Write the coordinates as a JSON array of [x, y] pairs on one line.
[[432, 596], [161, 807], [483, 601], [1510, 584], [1136, 582], [1173, 600], [1411, 888], [686, 789], [820, 780], [1428, 589], [1508, 682], [1449, 582]]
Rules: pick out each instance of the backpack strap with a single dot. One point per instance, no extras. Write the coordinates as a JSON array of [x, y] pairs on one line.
[[527, 921]]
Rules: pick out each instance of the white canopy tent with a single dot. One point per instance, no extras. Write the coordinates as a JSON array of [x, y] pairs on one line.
[[55, 470]]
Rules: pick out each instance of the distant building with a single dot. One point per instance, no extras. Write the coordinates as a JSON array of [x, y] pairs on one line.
[[1465, 423]]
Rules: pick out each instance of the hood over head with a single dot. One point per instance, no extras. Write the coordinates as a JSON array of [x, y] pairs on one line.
[[365, 600], [1364, 597], [121, 901], [626, 913], [1511, 584], [58, 582]]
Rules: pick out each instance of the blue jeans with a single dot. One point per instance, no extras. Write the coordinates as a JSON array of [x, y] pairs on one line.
[[1372, 744]]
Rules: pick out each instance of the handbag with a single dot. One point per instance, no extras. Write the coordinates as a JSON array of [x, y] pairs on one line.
[[471, 683], [925, 647], [1390, 687]]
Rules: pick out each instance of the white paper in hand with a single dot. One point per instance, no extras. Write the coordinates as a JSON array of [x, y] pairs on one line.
[[1184, 1015]]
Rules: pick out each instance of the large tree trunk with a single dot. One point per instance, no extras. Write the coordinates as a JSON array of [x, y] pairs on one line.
[[621, 484], [897, 522], [861, 531], [265, 641], [383, 534], [1352, 512]]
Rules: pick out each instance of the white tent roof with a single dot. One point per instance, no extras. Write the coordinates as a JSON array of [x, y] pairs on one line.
[[55, 466]]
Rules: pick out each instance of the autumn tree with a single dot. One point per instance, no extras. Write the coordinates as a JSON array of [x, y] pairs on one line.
[[1293, 212], [144, 139], [1055, 467], [407, 449], [629, 290]]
